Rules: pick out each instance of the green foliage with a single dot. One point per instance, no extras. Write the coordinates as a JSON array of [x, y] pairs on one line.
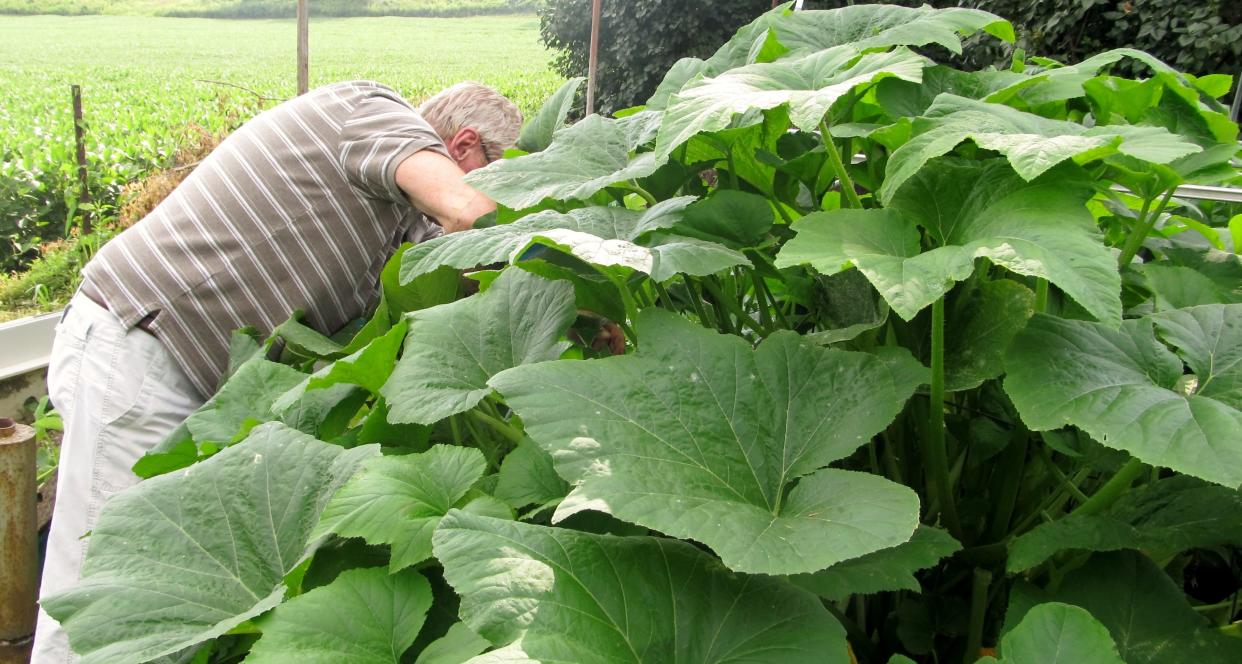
[[1201, 37], [50, 280], [623, 599], [1036, 454], [632, 62], [279, 481], [1055, 633], [365, 616], [267, 8]]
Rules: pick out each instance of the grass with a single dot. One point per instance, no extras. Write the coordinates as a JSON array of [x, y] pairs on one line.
[[266, 8], [142, 94]]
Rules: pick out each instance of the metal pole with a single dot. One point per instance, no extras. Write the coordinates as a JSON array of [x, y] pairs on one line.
[[303, 47], [1236, 111], [593, 62], [19, 541], [79, 137]]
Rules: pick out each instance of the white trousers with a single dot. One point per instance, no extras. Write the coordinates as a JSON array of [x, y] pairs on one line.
[[119, 393]]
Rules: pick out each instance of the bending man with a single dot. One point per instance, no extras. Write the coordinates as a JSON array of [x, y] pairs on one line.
[[298, 209]]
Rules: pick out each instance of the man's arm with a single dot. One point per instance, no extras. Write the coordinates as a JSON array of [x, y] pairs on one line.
[[434, 185]]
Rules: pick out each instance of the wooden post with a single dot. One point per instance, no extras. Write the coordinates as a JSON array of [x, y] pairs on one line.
[[19, 541], [79, 137], [303, 47], [593, 62]]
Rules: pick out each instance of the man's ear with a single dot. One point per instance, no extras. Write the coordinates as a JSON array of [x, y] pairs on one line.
[[465, 140]]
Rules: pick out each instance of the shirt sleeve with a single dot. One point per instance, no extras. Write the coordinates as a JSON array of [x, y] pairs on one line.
[[380, 134]]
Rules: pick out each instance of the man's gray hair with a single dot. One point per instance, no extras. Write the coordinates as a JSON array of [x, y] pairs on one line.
[[477, 106]]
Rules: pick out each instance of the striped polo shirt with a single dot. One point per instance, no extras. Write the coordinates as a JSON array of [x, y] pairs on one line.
[[297, 209]]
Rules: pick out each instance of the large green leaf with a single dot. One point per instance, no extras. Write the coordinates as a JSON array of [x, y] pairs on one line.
[[879, 26], [398, 500], [1056, 633], [884, 245], [1130, 392], [976, 341], [247, 398], [368, 368], [453, 349], [427, 290], [183, 558], [1209, 341], [1165, 517], [734, 218], [1177, 286], [553, 595], [861, 26], [700, 437], [847, 305], [305, 340], [483, 246], [528, 477], [538, 132], [582, 159], [748, 151], [681, 73], [1031, 143], [1040, 228], [365, 616], [456, 647], [809, 85], [1144, 611], [983, 209], [884, 570], [662, 256], [905, 99]]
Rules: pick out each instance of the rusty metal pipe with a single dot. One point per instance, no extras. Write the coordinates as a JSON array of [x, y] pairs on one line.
[[19, 541]]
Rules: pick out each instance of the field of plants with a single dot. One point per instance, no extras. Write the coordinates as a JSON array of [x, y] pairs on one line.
[[267, 8], [143, 94], [974, 396]]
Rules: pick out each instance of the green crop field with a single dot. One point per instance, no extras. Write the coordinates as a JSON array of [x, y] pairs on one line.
[[142, 89], [266, 8]]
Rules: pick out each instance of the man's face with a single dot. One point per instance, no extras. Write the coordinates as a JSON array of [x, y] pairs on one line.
[[466, 148]]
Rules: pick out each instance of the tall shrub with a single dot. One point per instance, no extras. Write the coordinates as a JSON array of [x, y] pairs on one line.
[[639, 40]]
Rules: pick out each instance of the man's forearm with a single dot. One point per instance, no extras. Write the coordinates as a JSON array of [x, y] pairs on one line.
[[435, 186]]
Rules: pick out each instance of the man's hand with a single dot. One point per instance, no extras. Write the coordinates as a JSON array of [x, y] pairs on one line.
[[435, 186]]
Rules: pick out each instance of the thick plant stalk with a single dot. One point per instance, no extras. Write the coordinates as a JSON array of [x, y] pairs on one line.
[[978, 612], [1012, 467], [1142, 226], [492, 420], [838, 167], [697, 301], [935, 455], [1113, 489]]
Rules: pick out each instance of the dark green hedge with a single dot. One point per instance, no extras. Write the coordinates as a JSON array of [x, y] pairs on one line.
[[641, 39]]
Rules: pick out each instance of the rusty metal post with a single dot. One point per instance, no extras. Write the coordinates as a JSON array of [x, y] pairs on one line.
[[593, 62], [303, 47], [79, 137], [19, 541]]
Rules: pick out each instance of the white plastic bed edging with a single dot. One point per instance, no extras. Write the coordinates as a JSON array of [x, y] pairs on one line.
[[26, 344]]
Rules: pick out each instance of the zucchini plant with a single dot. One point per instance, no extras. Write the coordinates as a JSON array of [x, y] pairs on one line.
[[921, 365]]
